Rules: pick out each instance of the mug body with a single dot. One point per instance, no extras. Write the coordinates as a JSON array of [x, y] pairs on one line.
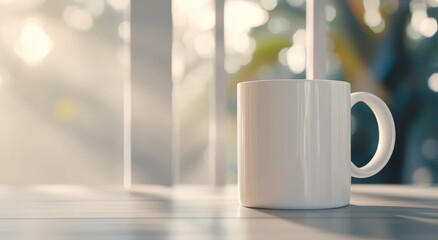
[[294, 144]]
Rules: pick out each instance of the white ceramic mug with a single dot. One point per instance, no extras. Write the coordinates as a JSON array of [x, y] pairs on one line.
[[294, 143]]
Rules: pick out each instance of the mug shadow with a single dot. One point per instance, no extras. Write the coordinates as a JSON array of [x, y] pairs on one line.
[[387, 222]]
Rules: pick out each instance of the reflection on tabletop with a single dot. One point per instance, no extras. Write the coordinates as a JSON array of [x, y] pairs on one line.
[[194, 212]]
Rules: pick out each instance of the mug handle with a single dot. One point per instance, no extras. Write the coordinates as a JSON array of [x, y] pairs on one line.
[[386, 128]]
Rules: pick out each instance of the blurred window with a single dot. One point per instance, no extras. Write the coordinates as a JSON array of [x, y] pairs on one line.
[[62, 69]]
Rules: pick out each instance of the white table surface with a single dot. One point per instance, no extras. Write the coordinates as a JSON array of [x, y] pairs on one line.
[[189, 212]]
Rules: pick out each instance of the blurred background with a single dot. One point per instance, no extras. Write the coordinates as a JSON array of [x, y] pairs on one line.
[[63, 65], [387, 47]]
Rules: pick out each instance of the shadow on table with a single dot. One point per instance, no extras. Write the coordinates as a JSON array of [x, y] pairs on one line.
[[388, 222], [367, 221], [392, 197]]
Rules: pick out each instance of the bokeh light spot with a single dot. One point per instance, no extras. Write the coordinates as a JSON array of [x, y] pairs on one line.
[[372, 18], [65, 110], [433, 82], [241, 16], [118, 4], [78, 18], [422, 175], [428, 27], [296, 3], [278, 25], [330, 13], [371, 4], [299, 37], [296, 58], [268, 4], [430, 148], [282, 56], [125, 31], [34, 44], [204, 44]]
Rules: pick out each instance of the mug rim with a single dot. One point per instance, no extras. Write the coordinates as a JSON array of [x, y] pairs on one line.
[[294, 81]]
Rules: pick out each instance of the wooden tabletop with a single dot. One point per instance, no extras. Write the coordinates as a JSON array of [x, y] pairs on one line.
[[190, 212]]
